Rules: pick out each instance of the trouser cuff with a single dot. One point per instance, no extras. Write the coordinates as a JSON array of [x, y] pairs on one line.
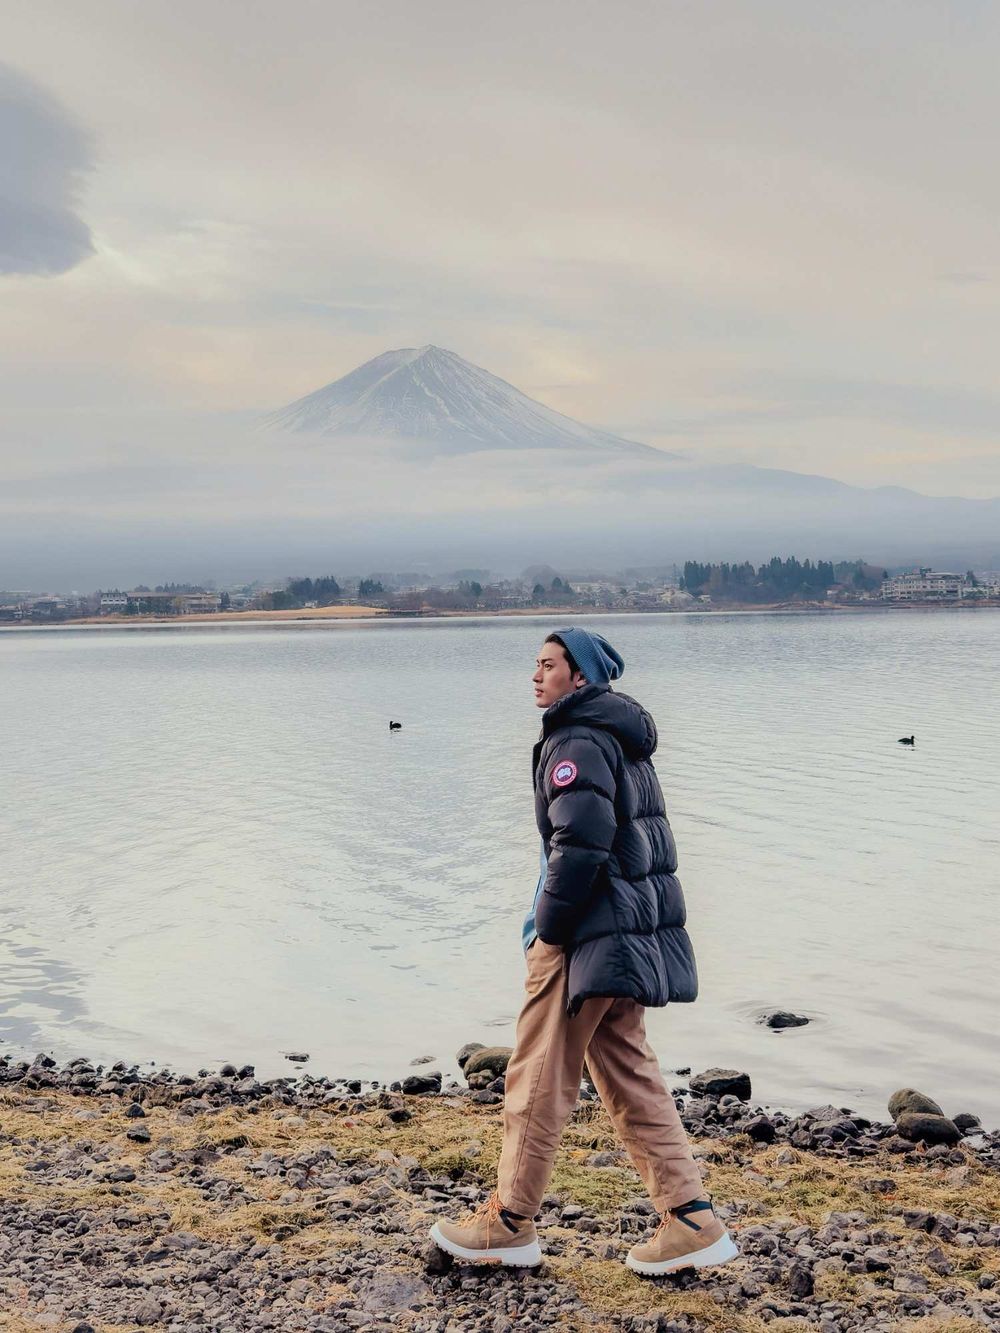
[[684, 1194], [514, 1204]]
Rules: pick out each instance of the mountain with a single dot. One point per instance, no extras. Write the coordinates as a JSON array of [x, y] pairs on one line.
[[428, 393]]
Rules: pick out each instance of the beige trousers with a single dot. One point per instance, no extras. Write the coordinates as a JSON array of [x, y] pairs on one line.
[[543, 1083]]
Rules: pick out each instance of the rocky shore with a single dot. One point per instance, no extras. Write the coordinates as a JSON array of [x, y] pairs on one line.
[[133, 1201]]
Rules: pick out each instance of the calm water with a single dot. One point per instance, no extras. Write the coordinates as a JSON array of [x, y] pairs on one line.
[[214, 849]]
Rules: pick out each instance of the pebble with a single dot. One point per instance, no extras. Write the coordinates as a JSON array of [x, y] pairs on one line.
[[118, 1263]]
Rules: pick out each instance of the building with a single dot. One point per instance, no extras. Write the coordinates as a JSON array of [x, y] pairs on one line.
[[48, 608], [199, 601], [924, 585], [114, 603], [142, 602], [676, 598]]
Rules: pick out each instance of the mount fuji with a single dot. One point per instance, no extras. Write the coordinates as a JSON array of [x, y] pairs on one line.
[[428, 393]]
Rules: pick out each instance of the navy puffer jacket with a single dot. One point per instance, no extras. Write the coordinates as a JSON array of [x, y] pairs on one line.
[[611, 897]]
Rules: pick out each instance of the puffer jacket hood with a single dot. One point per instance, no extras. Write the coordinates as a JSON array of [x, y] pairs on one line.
[[611, 897], [618, 714]]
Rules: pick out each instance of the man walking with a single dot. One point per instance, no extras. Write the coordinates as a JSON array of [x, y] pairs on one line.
[[604, 939]]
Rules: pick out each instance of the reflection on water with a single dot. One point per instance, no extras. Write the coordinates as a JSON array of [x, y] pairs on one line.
[[216, 849], [43, 994]]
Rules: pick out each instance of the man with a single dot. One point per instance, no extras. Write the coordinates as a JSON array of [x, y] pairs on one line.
[[605, 937]]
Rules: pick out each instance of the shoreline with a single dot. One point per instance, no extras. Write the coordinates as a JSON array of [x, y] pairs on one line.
[[220, 1202], [350, 614]]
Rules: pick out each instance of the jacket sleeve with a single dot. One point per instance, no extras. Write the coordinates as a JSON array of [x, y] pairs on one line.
[[579, 787]]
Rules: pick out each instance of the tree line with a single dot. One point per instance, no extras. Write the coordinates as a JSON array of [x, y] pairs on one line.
[[777, 579], [324, 591]]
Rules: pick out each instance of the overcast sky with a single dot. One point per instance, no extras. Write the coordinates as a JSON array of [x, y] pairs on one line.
[[762, 232]]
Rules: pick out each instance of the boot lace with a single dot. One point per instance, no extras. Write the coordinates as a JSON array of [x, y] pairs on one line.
[[490, 1213]]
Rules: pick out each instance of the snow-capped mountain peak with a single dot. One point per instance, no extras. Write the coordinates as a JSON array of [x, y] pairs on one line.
[[429, 393]]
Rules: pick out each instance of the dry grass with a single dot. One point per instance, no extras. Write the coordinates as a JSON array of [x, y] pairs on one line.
[[451, 1136], [608, 1287], [936, 1324]]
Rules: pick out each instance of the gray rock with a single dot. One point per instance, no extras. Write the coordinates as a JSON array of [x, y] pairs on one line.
[[436, 1261], [909, 1099], [896, 1144], [122, 1173], [781, 1018], [800, 1281], [149, 1311], [967, 1122], [879, 1185], [490, 1059], [599, 1159], [910, 1282], [394, 1291], [470, 1048], [938, 1261], [416, 1084], [922, 1128], [719, 1082], [823, 1114], [760, 1128]]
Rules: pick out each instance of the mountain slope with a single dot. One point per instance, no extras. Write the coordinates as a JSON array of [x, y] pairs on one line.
[[429, 393]]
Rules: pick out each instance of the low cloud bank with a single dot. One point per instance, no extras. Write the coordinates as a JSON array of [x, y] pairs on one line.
[[196, 498]]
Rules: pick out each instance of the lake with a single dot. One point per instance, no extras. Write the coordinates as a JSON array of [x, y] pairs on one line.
[[215, 850]]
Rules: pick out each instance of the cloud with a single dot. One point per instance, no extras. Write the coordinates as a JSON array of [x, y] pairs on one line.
[[752, 233], [43, 158]]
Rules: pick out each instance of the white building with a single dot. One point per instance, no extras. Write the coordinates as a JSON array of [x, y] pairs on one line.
[[923, 586], [113, 603], [200, 601]]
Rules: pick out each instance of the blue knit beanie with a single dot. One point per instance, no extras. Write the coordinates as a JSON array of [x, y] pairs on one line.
[[595, 657]]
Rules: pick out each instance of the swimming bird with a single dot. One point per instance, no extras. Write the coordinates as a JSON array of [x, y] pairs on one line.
[[903, 740], [395, 726]]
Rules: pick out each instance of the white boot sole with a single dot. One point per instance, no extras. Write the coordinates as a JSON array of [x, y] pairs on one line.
[[719, 1252], [514, 1256]]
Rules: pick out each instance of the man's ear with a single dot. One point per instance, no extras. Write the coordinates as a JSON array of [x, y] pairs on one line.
[[581, 680]]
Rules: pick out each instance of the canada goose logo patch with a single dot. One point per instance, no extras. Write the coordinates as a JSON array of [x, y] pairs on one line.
[[563, 773]]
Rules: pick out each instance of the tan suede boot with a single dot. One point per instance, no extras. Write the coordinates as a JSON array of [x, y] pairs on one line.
[[690, 1236], [490, 1236]]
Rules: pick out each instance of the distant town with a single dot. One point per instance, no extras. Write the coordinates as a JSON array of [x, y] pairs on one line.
[[692, 587]]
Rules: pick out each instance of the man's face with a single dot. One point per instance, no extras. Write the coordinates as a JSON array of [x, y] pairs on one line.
[[553, 678]]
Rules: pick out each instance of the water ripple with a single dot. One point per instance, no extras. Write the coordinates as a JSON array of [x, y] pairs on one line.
[[217, 850]]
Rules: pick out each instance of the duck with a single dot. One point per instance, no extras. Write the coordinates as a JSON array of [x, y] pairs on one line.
[[395, 726], [907, 740]]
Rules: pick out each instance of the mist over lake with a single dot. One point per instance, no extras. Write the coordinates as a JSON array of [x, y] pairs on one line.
[[217, 851]]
